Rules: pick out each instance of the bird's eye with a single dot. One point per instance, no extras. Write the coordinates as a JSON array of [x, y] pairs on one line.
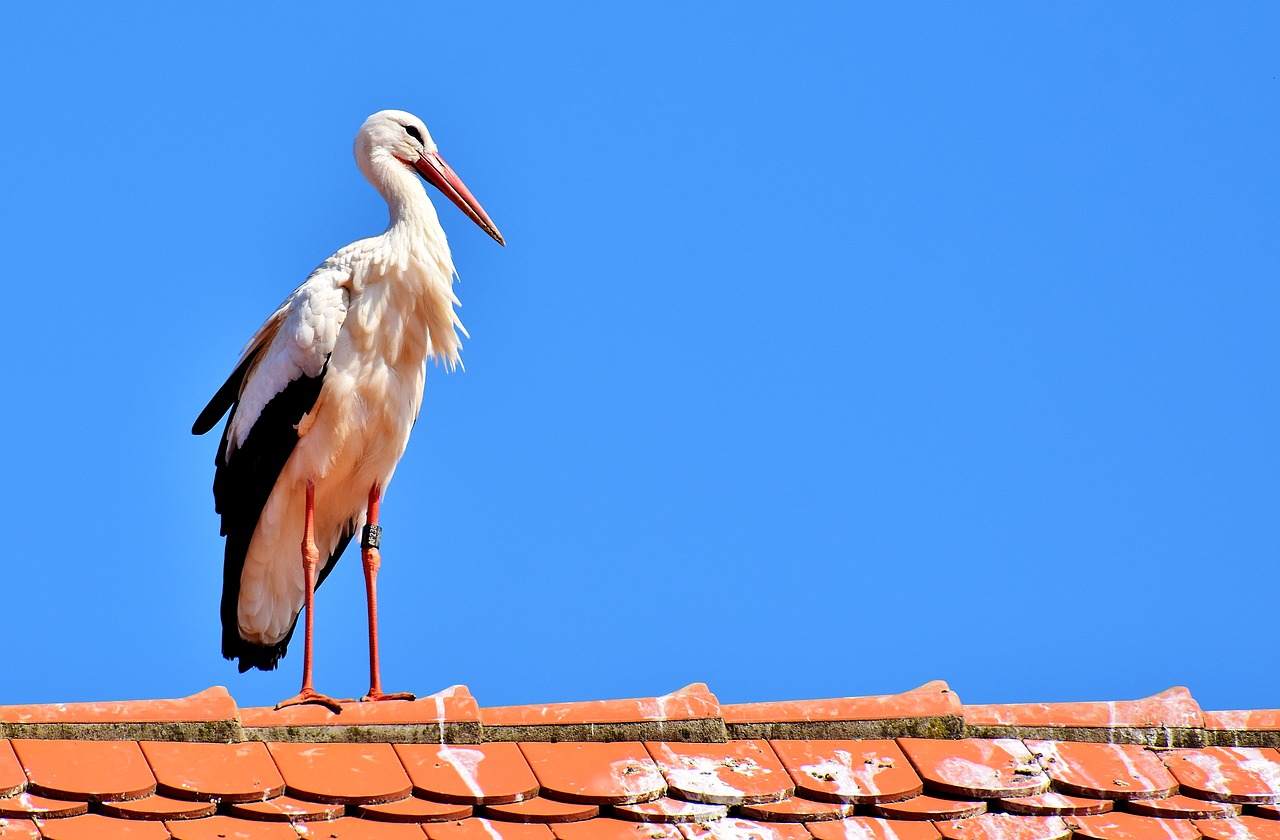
[[413, 132]]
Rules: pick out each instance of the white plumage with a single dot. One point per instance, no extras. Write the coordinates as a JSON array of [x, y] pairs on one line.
[[336, 377]]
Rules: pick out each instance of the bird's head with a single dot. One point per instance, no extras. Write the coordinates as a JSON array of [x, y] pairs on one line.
[[398, 138]]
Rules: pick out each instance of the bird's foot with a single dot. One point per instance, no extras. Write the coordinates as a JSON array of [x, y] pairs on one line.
[[374, 696], [311, 697]]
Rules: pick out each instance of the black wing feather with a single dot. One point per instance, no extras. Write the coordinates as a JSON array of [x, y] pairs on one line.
[[241, 486]]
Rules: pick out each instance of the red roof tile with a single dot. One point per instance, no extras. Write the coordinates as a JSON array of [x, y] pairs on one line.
[[18, 830], [677, 767], [849, 771]]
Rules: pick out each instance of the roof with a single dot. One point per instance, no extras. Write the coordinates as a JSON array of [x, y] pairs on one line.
[[919, 765]]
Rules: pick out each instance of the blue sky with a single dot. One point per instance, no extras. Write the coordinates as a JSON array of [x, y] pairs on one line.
[[837, 347]]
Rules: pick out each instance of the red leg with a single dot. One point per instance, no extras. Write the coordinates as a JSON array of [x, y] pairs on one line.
[[310, 561], [372, 562]]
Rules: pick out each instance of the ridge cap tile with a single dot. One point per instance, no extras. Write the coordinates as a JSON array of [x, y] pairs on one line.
[[1172, 708], [451, 714], [692, 702], [933, 699]]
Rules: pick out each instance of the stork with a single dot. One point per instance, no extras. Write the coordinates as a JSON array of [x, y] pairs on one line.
[[321, 404]]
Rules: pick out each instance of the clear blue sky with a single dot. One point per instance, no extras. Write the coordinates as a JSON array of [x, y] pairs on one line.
[[837, 347]]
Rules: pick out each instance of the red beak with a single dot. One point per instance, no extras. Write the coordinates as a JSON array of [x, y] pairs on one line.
[[437, 173]]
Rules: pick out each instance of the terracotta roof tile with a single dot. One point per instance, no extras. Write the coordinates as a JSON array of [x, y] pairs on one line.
[[932, 710], [604, 828], [210, 715], [481, 774], [18, 830], [1184, 807], [689, 714], [668, 810], [285, 809], [874, 828], [222, 772], [341, 774], [414, 810], [1121, 826], [1240, 774], [99, 827], [230, 828], [482, 829], [12, 779], [1053, 803], [91, 771], [29, 805], [930, 808], [542, 810], [158, 808], [350, 828], [1004, 827], [1241, 828], [1171, 715], [722, 774], [736, 828], [450, 716], [849, 771], [797, 809], [1105, 771], [600, 773], [984, 769]]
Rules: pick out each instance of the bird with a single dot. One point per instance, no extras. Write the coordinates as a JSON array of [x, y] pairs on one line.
[[321, 403]]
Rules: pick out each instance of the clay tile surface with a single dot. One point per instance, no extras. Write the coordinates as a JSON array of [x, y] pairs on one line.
[[1110, 771], [736, 828], [873, 828], [1004, 827], [1241, 828], [1240, 774], [158, 808], [693, 702], [415, 810], [934, 699], [1052, 803], [542, 810], [984, 769], [12, 779], [736, 773], [616, 773], [230, 828], [343, 774], [1174, 707], [18, 830], [667, 810], [222, 772], [481, 774], [99, 827], [482, 829], [285, 809], [606, 829], [797, 809], [212, 704], [930, 808], [453, 705], [351, 828], [29, 805], [849, 771], [1121, 826], [1183, 807], [91, 771]]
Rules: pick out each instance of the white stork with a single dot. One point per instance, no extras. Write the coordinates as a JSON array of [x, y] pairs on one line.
[[322, 402]]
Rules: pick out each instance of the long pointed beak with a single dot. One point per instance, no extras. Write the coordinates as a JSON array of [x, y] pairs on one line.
[[433, 168]]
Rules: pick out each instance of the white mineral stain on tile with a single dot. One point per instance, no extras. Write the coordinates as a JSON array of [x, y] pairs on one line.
[[1233, 720], [868, 829], [1255, 763], [852, 775], [700, 775], [637, 778], [1214, 778], [466, 762], [963, 773], [735, 828], [489, 829]]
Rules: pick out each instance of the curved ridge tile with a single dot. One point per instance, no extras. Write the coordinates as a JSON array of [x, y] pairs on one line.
[[1108, 771], [873, 828], [1242, 775], [91, 771], [849, 771], [1004, 827], [479, 774], [224, 772], [599, 773], [976, 767], [734, 773], [341, 774]]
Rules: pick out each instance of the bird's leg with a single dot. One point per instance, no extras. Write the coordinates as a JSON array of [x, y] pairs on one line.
[[372, 559], [310, 561]]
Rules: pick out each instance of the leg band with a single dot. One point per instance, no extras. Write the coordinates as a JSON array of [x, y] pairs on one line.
[[371, 537]]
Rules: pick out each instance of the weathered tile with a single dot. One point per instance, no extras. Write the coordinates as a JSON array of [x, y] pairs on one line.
[[1106, 771], [230, 828], [667, 810], [482, 829], [1004, 827], [617, 773], [542, 810], [976, 767], [92, 771], [480, 774], [929, 808], [223, 772], [285, 809], [18, 830], [605, 828], [99, 827], [1239, 828], [797, 809], [30, 806], [734, 773], [1118, 825], [849, 771], [353, 828], [414, 810], [736, 828], [341, 774], [1183, 807], [873, 828], [1052, 803], [158, 808], [1232, 774]]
